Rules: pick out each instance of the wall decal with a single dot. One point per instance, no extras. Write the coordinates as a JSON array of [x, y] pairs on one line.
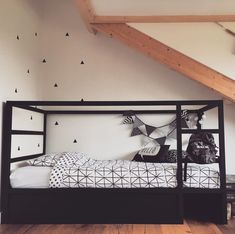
[[16, 90], [28, 71], [31, 117], [75, 141], [67, 34], [18, 38], [56, 123], [18, 148], [82, 100], [82, 62], [35, 34], [44, 61], [56, 85], [38, 145]]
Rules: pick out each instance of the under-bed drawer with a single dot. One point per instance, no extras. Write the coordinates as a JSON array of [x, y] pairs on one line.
[[94, 206]]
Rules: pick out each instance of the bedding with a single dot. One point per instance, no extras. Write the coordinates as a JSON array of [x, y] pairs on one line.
[[76, 170], [47, 160], [30, 177], [202, 176]]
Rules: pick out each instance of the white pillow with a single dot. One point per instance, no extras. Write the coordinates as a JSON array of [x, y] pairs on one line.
[[30, 177], [47, 160]]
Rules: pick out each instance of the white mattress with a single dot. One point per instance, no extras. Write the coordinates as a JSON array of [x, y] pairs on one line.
[[30, 177]]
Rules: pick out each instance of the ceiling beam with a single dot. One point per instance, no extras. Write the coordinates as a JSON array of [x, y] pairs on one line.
[[163, 19], [170, 57], [87, 13]]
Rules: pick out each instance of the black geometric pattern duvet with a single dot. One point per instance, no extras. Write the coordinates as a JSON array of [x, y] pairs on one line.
[[202, 176], [75, 170]]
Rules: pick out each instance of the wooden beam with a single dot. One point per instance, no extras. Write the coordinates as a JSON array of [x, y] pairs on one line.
[[163, 19], [87, 13], [170, 57]]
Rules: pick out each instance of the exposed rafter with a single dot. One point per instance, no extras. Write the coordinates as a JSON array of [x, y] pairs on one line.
[[172, 58], [87, 13], [163, 19]]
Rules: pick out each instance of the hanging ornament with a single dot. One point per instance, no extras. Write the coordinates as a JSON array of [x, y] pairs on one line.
[[136, 132], [160, 140], [172, 134], [137, 122], [149, 129], [128, 120]]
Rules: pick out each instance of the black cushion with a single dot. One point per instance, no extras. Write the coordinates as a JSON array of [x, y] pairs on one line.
[[160, 157]]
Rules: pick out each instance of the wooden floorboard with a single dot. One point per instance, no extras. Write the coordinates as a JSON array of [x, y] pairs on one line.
[[189, 227]]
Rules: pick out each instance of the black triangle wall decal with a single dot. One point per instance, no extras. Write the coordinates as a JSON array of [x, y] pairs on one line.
[[44, 61], [75, 141], [38, 145], [82, 62], [82, 100], [18, 148], [56, 123], [31, 117], [18, 38], [67, 34], [28, 71], [16, 90], [55, 85], [35, 34]]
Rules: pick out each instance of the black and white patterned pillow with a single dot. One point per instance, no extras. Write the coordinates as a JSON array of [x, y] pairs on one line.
[[171, 157], [47, 160]]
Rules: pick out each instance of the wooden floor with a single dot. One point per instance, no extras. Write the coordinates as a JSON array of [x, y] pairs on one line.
[[188, 227]]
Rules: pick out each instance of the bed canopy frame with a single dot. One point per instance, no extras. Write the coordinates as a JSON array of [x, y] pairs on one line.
[[97, 205]]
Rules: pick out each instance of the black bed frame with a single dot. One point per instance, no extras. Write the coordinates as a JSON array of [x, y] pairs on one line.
[[97, 205]]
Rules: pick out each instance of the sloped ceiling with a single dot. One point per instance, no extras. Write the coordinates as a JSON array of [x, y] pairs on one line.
[[202, 52], [207, 43]]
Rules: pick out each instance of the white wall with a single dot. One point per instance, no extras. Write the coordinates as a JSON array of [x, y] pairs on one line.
[[166, 7], [22, 18], [111, 71]]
